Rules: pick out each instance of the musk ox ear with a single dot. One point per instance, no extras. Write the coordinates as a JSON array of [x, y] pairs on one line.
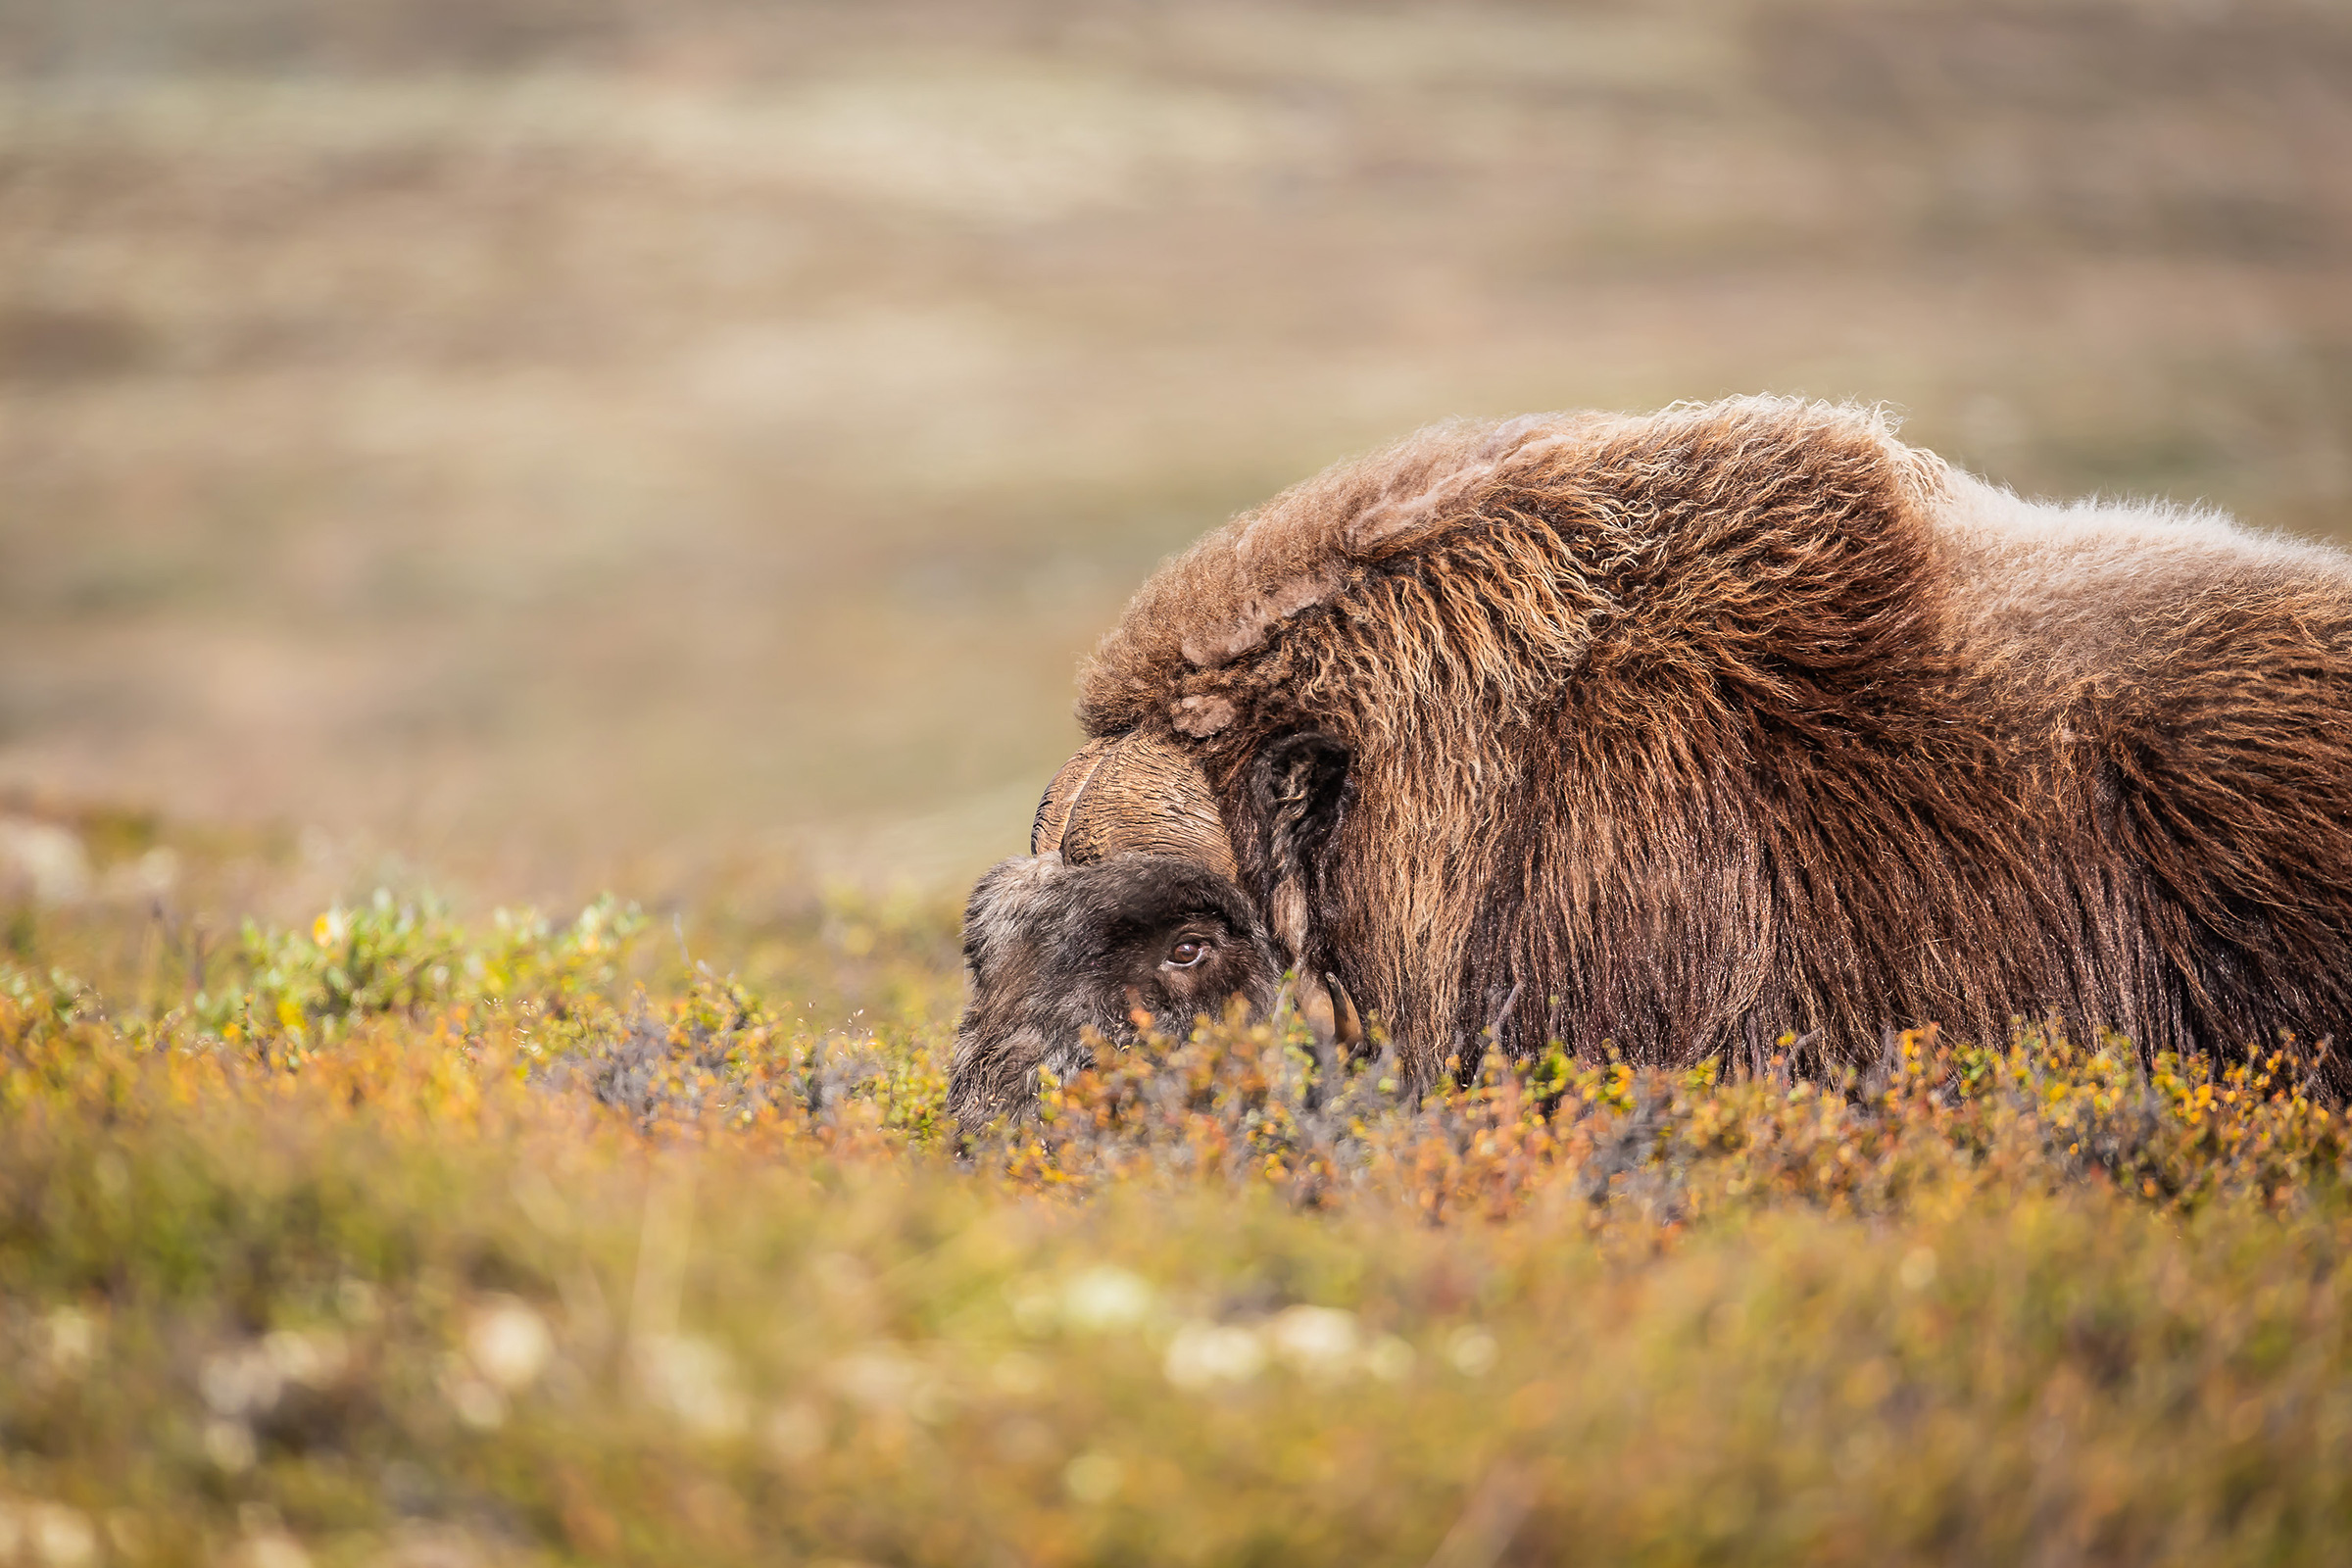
[[1298, 786]]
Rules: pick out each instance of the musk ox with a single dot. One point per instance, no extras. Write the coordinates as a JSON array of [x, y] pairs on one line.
[[1676, 733]]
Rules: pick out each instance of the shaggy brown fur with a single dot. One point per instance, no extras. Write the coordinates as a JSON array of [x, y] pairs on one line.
[[1678, 732]]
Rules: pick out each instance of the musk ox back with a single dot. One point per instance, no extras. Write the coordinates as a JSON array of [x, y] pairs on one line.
[[1677, 733]]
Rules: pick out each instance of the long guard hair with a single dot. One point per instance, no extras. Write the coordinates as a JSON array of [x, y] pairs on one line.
[[1677, 733]]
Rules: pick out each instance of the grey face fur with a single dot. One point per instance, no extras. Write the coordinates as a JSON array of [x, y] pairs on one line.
[[1051, 950]]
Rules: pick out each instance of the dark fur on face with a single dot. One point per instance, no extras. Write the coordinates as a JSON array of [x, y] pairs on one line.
[[1054, 949]]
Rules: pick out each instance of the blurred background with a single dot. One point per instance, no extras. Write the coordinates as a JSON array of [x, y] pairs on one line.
[[685, 443]]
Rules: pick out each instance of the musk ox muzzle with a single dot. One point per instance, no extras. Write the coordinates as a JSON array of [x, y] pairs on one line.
[[1054, 951]]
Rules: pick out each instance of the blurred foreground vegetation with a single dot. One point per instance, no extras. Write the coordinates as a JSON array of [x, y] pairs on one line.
[[389, 1238]]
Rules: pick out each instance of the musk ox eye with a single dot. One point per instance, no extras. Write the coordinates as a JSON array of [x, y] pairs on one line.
[[1184, 955]]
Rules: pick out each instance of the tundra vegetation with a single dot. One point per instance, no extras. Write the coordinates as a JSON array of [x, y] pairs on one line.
[[685, 447], [393, 1237]]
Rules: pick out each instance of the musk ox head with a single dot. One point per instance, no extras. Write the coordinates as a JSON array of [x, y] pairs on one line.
[[1131, 903], [1054, 950]]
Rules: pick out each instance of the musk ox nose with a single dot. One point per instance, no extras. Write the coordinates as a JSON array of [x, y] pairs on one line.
[[1051, 950]]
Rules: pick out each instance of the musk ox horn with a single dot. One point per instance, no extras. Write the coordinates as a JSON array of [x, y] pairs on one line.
[[1328, 1012], [1132, 794], [1070, 782]]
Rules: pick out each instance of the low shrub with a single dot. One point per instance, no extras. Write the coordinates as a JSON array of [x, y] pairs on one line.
[[398, 1239]]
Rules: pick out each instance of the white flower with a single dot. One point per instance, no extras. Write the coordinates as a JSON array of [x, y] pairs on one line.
[[1203, 1353], [240, 1382], [509, 1342], [49, 858], [1035, 1305], [886, 1381], [312, 1359], [249, 1380], [1472, 1352], [1103, 1298], [272, 1549], [478, 1404], [230, 1446], [695, 1381], [75, 1338], [1389, 1359], [60, 1536], [1319, 1341]]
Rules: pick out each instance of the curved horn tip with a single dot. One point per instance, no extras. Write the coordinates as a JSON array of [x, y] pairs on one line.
[[1347, 1026], [1313, 1005]]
